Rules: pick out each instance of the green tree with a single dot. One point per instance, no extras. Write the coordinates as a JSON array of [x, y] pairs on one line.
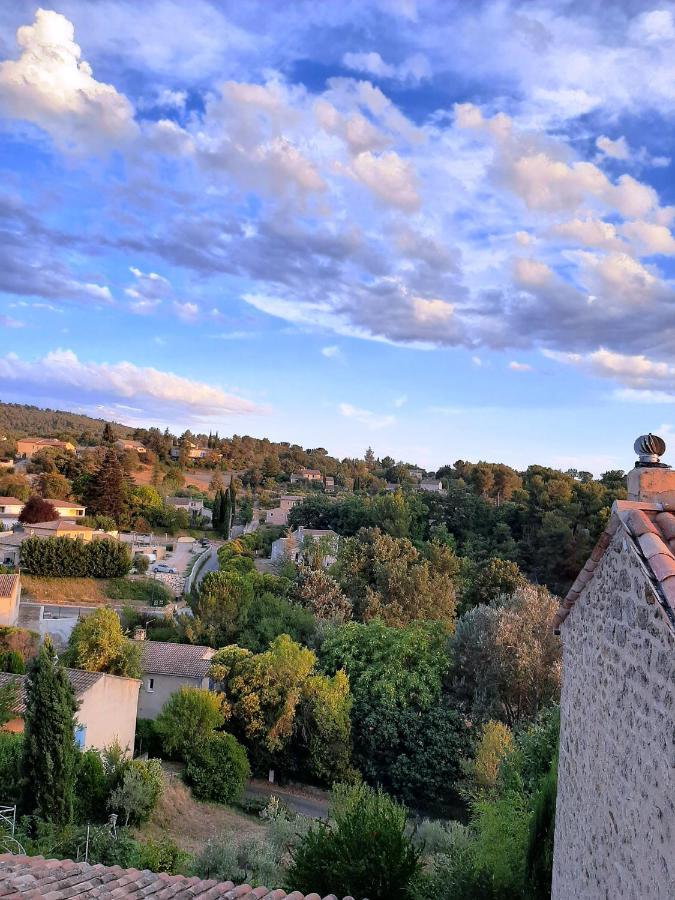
[[187, 718], [109, 489], [97, 644], [53, 486], [108, 435], [222, 604], [218, 769], [363, 851], [8, 701], [318, 592], [49, 753]]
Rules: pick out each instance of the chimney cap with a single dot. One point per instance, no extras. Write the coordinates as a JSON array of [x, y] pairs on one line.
[[649, 447]]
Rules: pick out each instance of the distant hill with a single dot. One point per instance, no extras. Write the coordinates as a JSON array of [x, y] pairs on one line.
[[21, 420]]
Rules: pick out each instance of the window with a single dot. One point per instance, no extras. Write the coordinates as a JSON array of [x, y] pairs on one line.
[[151, 685], [80, 736]]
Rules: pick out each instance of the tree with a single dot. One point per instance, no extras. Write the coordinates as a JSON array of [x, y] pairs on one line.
[[52, 485], [109, 490], [363, 851], [318, 592], [37, 510], [216, 484], [187, 718], [487, 582], [218, 769], [108, 435], [97, 644], [49, 753], [8, 700], [138, 791], [222, 604]]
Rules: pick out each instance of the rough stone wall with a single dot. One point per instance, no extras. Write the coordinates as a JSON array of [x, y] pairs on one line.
[[615, 820]]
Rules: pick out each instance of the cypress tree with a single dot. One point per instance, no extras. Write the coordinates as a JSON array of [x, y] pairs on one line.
[[49, 753], [232, 496], [217, 509], [109, 488], [108, 436], [226, 515]]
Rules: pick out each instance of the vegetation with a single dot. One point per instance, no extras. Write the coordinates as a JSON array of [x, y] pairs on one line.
[[187, 719], [97, 644], [37, 510], [64, 557], [217, 768]]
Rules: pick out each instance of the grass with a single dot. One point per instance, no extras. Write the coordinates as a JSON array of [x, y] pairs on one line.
[[93, 591], [191, 823]]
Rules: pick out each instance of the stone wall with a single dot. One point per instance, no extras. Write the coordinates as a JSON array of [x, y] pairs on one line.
[[615, 821]]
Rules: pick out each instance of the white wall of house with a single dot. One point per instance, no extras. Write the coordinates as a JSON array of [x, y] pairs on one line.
[[156, 690]]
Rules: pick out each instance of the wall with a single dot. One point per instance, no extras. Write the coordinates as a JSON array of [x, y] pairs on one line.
[[615, 821], [150, 703], [108, 709], [9, 606]]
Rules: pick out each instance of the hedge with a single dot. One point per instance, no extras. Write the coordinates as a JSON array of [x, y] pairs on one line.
[[64, 557]]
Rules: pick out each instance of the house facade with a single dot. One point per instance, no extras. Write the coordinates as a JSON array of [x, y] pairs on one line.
[[10, 597], [306, 475], [10, 510], [26, 448], [279, 516], [166, 668], [293, 545], [124, 444], [615, 816], [106, 714]]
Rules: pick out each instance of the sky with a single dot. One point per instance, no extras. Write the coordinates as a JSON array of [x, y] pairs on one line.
[[441, 229]]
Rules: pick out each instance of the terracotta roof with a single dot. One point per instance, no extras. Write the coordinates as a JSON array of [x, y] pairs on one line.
[[56, 525], [163, 658], [8, 585], [35, 876], [10, 501], [651, 529], [80, 680]]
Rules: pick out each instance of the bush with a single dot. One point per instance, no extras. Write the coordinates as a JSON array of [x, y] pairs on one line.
[[11, 749], [91, 788], [138, 792], [141, 563], [20, 639], [147, 739], [12, 661], [64, 557], [187, 719], [218, 769], [148, 591], [364, 851], [252, 861]]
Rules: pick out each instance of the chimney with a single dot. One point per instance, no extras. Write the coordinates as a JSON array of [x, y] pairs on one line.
[[139, 633], [651, 481]]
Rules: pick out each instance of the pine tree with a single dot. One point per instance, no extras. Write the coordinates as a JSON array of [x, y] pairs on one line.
[[109, 489], [217, 509], [49, 754], [108, 437]]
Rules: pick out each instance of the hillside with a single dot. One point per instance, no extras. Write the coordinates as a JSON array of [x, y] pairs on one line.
[[21, 420]]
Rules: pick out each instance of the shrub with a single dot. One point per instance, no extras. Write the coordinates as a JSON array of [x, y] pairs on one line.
[[187, 719], [218, 768], [148, 591], [252, 860], [12, 661], [20, 639], [138, 792], [91, 787], [147, 739], [96, 644], [141, 563], [64, 557], [364, 851], [11, 749]]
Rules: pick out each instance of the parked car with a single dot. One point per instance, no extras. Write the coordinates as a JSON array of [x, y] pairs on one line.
[[167, 570]]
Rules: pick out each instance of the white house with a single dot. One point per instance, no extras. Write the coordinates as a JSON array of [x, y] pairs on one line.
[[10, 508], [293, 546], [431, 487]]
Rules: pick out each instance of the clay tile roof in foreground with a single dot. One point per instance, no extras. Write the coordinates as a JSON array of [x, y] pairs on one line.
[[34, 876], [651, 528], [80, 680]]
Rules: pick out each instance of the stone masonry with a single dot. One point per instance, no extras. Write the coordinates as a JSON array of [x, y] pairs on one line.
[[615, 820]]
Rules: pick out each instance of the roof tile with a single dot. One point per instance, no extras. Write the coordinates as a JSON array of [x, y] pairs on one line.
[[662, 565], [666, 524], [639, 523], [652, 544], [163, 658]]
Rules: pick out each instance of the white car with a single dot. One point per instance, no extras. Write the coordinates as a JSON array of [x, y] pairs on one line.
[[162, 567]]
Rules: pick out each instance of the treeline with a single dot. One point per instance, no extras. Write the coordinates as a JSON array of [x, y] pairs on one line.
[[22, 420]]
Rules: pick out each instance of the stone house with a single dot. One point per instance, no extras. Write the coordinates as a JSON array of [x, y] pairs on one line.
[[168, 667], [126, 444], [10, 510], [10, 597], [306, 475], [279, 515], [615, 818], [106, 712], [28, 447]]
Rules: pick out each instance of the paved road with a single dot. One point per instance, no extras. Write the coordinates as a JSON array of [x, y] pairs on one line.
[[211, 565], [310, 805]]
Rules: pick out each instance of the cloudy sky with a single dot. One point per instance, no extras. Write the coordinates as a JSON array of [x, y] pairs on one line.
[[441, 229]]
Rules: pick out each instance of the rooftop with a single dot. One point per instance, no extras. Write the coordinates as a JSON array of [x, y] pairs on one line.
[[80, 680], [35, 876], [164, 658], [10, 501], [55, 525], [8, 584]]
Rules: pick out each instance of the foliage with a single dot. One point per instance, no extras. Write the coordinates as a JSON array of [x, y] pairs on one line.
[[12, 661], [253, 860], [187, 718], [148, 591], [97, 644], [91, 787], [11, 752], [494, 743], [539, 851], [108, 489], [387, 578], [137, 793], [318, 592], [487, 582], [323, 728], [222, 604], [65, 557], [48, 762], [141, 563], [37, 510], [363, 851], [270, 615], [217, 768], [21, 640]]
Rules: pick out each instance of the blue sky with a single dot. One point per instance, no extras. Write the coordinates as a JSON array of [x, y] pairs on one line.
[[440, 229]]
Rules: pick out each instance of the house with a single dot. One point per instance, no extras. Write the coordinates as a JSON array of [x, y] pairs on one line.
[[306, 475], [615, 819], [192, 506], [35, 877], [279, 516], [417, 474], [26, 448], [192, 451], [106, 712], [168, 667], [10, 541], [69, 510], [329, 483], [10, 510], [124, 444], [431, 486], [10, 597], [293, 545]]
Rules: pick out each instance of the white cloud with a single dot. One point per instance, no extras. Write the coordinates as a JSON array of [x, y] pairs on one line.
[[651, 397], [365, 416], [615, 149], [67, 376], [415, 68], [477, 361], [52, 87], [332, 352], [634, 371], [648, 238], [520, 367], [400, 401], [187, 311], [391, 179]]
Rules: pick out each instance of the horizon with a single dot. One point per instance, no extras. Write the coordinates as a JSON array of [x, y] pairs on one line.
[[407, 225]]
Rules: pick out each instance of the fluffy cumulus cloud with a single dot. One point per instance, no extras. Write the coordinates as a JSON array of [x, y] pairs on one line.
[[161, 393], [366, 417], [358, 204]]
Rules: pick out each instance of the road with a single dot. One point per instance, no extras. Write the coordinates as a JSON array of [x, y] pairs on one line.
[[314, 805], [211, 565]]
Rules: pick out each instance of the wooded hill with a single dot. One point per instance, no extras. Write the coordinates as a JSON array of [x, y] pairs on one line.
[[21, 420]]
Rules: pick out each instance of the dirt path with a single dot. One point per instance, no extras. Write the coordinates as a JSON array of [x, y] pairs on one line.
[[311, 803]]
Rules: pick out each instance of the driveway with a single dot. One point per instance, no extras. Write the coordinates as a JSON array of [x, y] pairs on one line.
[[312, 803]]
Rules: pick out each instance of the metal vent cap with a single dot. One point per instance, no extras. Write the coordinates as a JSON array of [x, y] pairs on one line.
[[649, 447]]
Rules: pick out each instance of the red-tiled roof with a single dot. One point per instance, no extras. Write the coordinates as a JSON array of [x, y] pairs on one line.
[[34, 876], [8, 584], [80, 680], [10, 501], [164, 658], [651, 529]]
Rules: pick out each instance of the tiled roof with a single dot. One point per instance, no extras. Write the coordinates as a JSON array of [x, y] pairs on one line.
[[34, 876], [163, 658], [57, 525], [10, 501], [8, 585], [651, 529], [80, 680]]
